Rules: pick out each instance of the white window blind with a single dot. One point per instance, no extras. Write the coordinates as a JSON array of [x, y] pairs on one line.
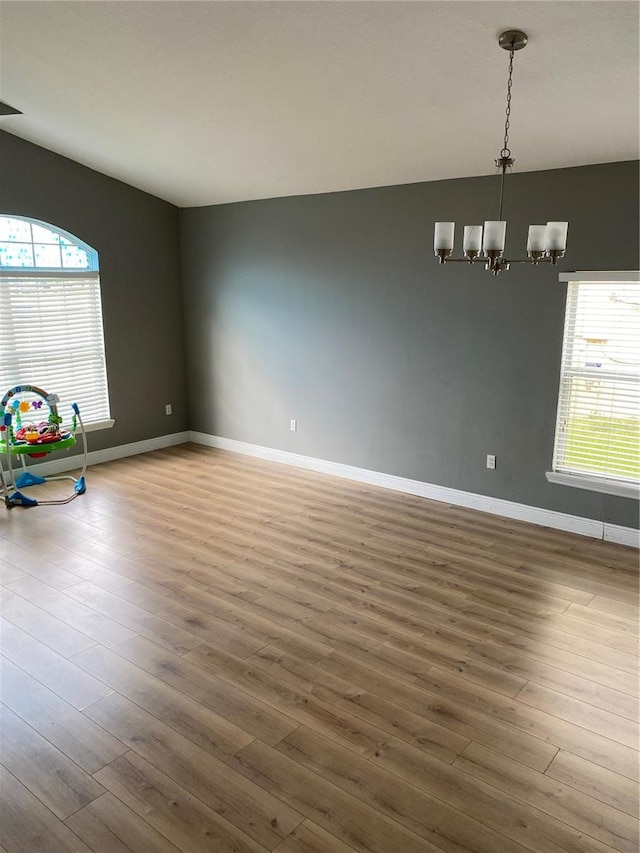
[[598, 421], [51, 317], [51, 336]]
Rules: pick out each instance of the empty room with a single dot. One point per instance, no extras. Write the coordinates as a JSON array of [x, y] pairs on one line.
[[319, 426]]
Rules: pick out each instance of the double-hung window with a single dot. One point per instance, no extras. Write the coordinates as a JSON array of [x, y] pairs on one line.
[[597, 439], [51, 331]]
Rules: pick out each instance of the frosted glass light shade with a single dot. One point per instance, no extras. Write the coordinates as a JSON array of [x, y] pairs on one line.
[[537, 239], [556, 237], [443, 236], [472, 240], [495, 233]]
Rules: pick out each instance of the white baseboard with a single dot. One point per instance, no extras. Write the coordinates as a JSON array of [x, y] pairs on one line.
[[621, 535], [509, 509], [64, 463]]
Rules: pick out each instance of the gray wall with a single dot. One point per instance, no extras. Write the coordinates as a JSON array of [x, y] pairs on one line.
[[136, 236], [331, 309]]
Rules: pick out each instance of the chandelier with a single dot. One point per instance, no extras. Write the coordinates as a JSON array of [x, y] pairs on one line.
[[485, 244]]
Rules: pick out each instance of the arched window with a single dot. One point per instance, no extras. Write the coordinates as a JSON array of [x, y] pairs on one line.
[[51, 316]]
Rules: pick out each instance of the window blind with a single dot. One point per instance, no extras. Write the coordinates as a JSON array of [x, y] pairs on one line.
[[51, 336], [598, 421]]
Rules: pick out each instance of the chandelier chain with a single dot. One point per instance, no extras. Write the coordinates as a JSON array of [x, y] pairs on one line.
[[505, 149]]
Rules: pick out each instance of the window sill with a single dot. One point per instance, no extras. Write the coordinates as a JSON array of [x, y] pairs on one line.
[[594, 484], [98, 425]]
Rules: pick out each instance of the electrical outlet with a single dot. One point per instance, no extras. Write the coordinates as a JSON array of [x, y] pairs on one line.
[[168, 410], [293, 425], [491, 462]]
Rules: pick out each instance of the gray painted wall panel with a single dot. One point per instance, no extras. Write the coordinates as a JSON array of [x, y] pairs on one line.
[[136, 236], [331, 309]]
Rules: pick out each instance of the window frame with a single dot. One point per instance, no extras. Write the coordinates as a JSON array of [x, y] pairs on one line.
[[604, 484], [92, 272]]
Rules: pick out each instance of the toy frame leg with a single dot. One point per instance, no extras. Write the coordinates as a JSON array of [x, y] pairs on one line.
[[5, 488]]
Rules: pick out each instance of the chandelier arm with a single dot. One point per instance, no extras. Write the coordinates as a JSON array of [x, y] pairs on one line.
[[482, 259], [479, 259], [542, 260], [497, 265]]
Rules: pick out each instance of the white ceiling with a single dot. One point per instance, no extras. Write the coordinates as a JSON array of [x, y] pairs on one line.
[[210, 102]]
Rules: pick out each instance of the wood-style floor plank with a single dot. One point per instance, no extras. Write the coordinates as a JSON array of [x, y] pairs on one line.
[[577, 677], [35, 762], [573, 736], [599, 783], [237, 706], [257, 814], [340, 813], [34, 565], [54, 633], [308, 837], [628, 609], [390, 718], [361, 737], [92, 624], [608, 724], [560, 801], [10, 573], [59, 674], [269, 659], [459, 718], [428, 816], [27, 826], [140, 621], [203, 625], [108, 826], [615, 622], [201, 725], [181, 818], [74, 734]]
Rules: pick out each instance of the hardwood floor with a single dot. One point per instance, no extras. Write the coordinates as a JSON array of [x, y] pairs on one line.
[[207, 652]]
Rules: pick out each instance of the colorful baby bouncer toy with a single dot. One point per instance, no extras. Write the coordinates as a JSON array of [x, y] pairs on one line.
[[31, 426]]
